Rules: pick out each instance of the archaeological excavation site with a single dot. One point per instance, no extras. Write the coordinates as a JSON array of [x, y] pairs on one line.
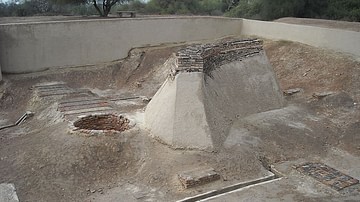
[[198, 109]]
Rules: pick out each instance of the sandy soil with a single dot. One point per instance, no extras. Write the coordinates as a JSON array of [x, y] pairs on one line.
[[46, 163], [316, 70], [353, 26]]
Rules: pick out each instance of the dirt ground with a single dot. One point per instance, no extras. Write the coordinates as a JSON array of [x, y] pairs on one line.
[[316, 70], [47, 163]]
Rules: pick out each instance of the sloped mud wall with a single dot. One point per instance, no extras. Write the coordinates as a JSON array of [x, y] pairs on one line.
[[211, 86], [238, 89]]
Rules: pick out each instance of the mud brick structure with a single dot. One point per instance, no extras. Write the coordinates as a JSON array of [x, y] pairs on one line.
[[205, 58], [327, 175], [209, 86], [198, 177]]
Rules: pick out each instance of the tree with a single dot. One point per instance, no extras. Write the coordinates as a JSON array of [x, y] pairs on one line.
[[211, 7], [246, 9], [315, 8], [103, 8], [273, 9], [227, 5], [343, 10], [71, 2], [106, 6]]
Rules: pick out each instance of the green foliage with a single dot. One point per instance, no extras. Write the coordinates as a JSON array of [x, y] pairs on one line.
[[227, 5], [44, 7], [274, 9], [136, 6], [344, 10], [68, 2], [246, 9], [254, 9], [80, 9], [26, 9], [153, 7], [176, 7], [8, 9], [195, 7], [211, 7], [314, 8]]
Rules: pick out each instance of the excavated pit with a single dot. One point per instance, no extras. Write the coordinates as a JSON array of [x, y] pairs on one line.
[[104, 122]]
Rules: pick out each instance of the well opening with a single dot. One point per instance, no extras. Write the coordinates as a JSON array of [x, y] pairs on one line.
[[103, 122]]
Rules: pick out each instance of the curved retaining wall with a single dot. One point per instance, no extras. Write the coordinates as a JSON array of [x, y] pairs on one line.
[[335, 39], [30, 47]]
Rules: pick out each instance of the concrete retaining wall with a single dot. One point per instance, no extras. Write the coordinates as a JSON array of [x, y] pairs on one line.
[[29, 47], [335, 39]]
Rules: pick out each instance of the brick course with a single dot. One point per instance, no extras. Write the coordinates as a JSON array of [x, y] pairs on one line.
[[205, 58]]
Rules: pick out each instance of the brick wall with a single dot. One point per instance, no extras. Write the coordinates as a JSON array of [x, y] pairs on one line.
[[206, 57]]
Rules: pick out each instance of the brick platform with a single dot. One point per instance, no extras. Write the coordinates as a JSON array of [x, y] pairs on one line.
[[327, 175], [198, 177], [205, 58]]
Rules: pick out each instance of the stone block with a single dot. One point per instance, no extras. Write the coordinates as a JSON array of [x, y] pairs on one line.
[[198, 177]]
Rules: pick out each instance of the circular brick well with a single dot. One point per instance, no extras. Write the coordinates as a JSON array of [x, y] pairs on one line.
[[104, 122]]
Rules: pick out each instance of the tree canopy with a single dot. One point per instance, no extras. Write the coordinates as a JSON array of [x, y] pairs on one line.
[[260, 9], [106, 6], [273, 9], [253, 9]]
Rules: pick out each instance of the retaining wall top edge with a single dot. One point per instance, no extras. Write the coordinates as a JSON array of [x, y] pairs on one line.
[[300, 25], [120, 19]]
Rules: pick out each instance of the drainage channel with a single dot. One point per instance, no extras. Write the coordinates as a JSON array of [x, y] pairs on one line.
[[231, 188], [19, 121]]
